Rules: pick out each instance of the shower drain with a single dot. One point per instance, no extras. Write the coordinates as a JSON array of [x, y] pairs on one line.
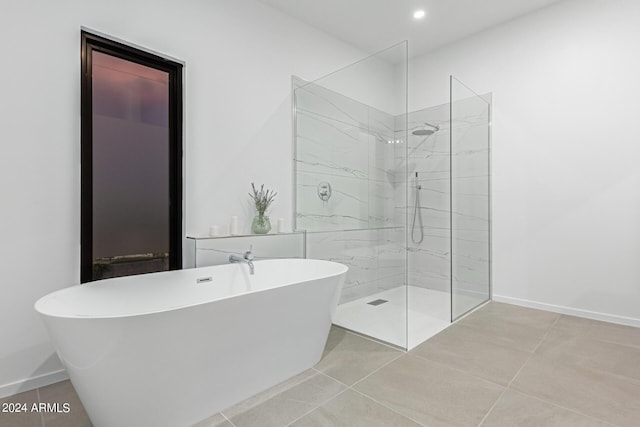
[[377, 302]]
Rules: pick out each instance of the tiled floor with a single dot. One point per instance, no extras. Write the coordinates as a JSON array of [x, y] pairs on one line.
[[500, 366], [60, 393]]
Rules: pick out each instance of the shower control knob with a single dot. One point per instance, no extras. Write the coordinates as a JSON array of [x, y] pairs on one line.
[[324, 191]]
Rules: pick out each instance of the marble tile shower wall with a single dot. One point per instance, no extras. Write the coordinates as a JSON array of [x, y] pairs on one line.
[[346, 144], [374, 257], [429, 262], [428, 156]]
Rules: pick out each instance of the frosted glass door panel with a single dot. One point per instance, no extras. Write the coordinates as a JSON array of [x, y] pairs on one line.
[[130, 167]]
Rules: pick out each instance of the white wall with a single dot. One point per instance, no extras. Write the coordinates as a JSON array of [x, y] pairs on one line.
[[239, 57], [566, 181]]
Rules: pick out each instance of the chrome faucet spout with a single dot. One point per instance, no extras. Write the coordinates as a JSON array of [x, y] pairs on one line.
[[247, 258]]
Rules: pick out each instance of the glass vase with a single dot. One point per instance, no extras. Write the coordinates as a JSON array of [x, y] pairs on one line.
[[260, 224]]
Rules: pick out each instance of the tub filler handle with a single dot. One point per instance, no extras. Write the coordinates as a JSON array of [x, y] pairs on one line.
[[247, 258]]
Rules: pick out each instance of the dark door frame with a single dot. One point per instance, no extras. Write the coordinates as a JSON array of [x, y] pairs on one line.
[[89, 43]]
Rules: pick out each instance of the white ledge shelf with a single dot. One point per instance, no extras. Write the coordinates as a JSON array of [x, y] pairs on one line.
[[201, 251], [229, 236]]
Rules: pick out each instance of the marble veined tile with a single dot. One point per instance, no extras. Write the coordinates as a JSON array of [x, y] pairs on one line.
[[429, 170], [431, 217], [470, 262], [330, 147], [322, 101], [217, 251], [381, 204], [433, 148], [472, 161], [435, 238], [428, 282], [381, 120], [469, 183], [356, 290], [376, 258], [471, 284], [429, 264], [392, 282], [470, 221], [383, 164], [348, 207], [470, 132], [356, 249]]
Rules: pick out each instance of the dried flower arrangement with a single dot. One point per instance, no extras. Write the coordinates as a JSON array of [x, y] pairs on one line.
[[262, 198]]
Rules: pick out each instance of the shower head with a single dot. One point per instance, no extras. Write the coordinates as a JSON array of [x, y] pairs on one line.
[[423, 132], [426, 130]]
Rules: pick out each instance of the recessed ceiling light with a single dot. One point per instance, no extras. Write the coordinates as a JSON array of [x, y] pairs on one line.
[[419, 14]]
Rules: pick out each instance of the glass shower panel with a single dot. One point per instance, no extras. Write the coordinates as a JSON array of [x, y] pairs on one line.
[[350, 179], [331, 150], [470, 210], [429, 260]]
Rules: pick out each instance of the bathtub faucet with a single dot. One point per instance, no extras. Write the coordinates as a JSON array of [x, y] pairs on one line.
[[246, 257]]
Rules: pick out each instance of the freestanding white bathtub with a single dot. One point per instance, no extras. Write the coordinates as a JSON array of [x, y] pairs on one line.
[[172, 348]]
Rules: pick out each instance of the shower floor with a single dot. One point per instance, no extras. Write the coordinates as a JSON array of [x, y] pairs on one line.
[[429, 313]]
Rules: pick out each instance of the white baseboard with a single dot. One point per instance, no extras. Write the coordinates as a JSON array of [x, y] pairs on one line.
[[32, 383], [629, 321]]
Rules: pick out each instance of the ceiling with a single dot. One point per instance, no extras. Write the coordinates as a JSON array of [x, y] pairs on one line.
[[373, 25]]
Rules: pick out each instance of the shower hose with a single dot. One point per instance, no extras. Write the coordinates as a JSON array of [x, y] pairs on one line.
[[417, 215]]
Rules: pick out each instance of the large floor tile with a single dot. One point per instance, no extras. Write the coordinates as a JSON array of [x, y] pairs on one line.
[[564, 347], [568, 371], [431, 393], [352, 409], [286, 406], [516, 327], [19, 413], [61, 393], [69, 420], [509, 334], [216, 420], [600, 395], [482, 355], [260, 398], [522, 315], [349, 358], [604, 331], [517, 409]]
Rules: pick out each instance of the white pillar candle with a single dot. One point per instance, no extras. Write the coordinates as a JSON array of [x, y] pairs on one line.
[[214, 231], [280, 225], [233, 228]]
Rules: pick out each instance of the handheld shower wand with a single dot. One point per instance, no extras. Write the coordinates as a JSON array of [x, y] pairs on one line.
[[418, 215]]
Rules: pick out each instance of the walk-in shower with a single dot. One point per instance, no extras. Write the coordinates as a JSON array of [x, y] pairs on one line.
[[409, 211]]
